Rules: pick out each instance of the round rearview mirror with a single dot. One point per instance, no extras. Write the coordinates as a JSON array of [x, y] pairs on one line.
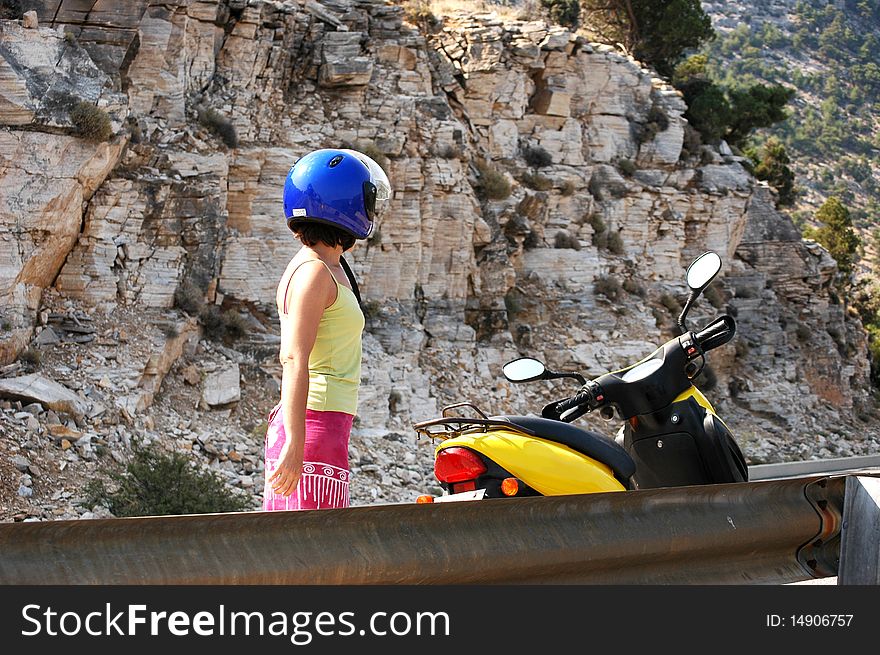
[[702, 270], [523, 369]]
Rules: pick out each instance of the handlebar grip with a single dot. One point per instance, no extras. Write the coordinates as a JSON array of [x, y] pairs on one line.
[[578, 399], [717, 333]]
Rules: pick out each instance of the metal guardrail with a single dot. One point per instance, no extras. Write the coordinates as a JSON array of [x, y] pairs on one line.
[[814, 467], [749, 533]]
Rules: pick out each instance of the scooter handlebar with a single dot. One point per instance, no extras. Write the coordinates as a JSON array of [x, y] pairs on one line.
[[717, 333]]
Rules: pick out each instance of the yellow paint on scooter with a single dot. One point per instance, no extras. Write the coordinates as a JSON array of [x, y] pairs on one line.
[[548, 467]]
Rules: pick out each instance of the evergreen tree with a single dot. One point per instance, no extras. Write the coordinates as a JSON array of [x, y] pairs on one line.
[[563, 12], [772, 166], [836, 234], [657, 32]]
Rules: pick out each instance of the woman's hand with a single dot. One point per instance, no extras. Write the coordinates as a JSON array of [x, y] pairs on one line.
[[288, 472]]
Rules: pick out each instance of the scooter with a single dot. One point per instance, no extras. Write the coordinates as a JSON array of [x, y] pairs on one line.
[[670, 436]]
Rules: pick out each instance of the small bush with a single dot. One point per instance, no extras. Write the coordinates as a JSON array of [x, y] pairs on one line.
[[803, 333], [714, 296], [627, 167], [448, 152], [189, 298], [564, 12], [31, 356], [513, 302], [565, 239], [227, 326], [615, 243], [635, 288], [741, 348], [11, 9], [90, 122], [596, 222], [169, 330], [219, 125], [537, 181], [156, 483], [608, 286], [492, 183], [568, 188], [536, 156], [372, 308], [671, 303]]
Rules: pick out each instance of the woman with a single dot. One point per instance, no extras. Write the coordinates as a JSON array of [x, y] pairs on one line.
[[329, 202]]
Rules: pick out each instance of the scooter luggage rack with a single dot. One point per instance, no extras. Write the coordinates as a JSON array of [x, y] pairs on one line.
[[449, 427]]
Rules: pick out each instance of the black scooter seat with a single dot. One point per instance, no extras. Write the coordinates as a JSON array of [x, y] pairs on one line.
[[591, 444]]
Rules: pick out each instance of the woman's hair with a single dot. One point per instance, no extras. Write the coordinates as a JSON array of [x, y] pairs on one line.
[[312, 233]]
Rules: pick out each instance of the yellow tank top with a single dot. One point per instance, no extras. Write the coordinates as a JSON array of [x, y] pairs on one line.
[[335, 360]]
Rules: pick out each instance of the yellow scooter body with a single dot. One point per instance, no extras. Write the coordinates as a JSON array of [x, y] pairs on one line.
[[550, 468]]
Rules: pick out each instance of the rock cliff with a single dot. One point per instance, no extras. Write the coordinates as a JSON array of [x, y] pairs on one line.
[[581, 263]]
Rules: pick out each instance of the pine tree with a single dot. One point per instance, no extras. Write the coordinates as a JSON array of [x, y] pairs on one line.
[[835, 233]]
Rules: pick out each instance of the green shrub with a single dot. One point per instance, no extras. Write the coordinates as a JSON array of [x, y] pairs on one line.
[[448, 152], [608, 286], [563, 12], [565, 239], [614, 243], [372, 308], [537, 181], [492, 183], [219, 125], [627, 167], [11, 9], [671, 303], [189, 298], [596, 222], [156, 483], [714, 296], [31, 356], [227, 326], [568, 188], [90, 122], [537, 156], [803, 333], [632, 286], [836, 234]]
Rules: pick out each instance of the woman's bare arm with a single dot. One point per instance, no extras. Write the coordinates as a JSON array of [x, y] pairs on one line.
[[311, 290]]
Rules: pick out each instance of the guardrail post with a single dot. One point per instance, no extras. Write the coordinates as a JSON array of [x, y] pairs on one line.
[[860, 532]]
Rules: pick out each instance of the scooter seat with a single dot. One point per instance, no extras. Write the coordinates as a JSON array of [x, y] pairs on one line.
[[591, 444]]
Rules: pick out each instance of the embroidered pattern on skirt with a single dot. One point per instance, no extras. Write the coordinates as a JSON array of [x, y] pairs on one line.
[[320, 486]]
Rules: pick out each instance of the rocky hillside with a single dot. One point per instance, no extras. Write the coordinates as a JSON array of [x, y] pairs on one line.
[[545, 203], [828, 53]]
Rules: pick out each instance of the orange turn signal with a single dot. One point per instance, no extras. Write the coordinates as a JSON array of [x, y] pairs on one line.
[[424, 499], [510, 486]]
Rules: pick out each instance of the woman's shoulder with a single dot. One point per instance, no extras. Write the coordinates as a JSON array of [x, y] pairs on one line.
[[307, 275]]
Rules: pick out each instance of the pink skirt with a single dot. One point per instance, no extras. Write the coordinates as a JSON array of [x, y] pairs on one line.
[[325, 474]]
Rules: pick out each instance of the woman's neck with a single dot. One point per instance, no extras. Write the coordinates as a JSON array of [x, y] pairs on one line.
[[329, 254]]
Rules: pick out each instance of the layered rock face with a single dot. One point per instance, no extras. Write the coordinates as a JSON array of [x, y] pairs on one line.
[[580, 264]]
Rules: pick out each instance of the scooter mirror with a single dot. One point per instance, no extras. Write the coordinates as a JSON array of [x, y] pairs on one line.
[[524, 369], [702, 270]]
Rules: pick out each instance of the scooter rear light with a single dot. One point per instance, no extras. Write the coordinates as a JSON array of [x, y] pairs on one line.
[[457, 465]]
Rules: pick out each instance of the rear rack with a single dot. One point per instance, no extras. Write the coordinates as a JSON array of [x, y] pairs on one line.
[[448, 427]]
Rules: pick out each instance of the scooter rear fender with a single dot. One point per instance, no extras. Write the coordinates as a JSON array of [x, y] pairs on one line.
[[548, 467]]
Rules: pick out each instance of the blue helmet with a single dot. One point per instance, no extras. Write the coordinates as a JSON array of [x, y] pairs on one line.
[[337, 187]]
